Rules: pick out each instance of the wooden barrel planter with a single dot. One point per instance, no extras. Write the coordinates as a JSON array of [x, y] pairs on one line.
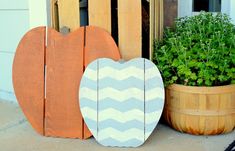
[[200, 110]]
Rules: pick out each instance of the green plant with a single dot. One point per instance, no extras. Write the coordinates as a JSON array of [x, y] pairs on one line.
[[198, 51]]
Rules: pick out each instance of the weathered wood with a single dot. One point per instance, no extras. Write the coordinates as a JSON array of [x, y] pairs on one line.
[[156, 22], [69, 14], [201, 110], [28, 76], [170, 12], [130, 28], [54, 15], [100, 13]]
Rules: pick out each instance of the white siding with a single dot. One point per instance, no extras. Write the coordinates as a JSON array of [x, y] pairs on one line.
[[17, 17], [14, 17]]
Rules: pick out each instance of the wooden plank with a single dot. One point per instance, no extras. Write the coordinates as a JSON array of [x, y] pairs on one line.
[[54, 15], [170, 12], [28, 76], [100, 13], [66, 58], [69, 14], [156, 22], [161, 19], [130, 28], [152, 29], [64, 70]]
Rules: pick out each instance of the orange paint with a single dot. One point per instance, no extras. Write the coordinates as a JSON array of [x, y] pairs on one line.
[[65, 59], [28, 76]]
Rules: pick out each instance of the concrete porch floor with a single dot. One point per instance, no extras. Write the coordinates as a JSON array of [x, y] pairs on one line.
[[17, 135]]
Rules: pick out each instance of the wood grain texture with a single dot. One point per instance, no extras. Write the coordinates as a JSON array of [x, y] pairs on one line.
[[156, 22], [130, 28], [201, 110], [69, 14], [28, 76], [100, 13], [170, 12], [64, 60], [54, 14]]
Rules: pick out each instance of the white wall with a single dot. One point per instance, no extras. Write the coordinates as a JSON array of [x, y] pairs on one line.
[[38, 15], [14, 15], [232, 10], [185, 8], [17, 17]]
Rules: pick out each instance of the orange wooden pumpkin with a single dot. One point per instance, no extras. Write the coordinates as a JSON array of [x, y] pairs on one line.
[[47, 74]]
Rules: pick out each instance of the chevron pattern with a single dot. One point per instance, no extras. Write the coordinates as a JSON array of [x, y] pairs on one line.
[[121, 102]]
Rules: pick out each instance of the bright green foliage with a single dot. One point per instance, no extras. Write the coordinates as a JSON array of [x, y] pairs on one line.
[[198, 51]]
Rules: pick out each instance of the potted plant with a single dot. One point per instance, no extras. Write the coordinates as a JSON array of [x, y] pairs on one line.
[[197, 61]]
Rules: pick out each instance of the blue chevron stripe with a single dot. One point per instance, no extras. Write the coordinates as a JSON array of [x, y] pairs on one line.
[[133, 63], [88, 83], [124, 84], [149, 65], [110, 103], [151, 106], [120, 126], [113, 142], [153, 83], [150, 127], [154, 105], [93, 65], [119, 85]]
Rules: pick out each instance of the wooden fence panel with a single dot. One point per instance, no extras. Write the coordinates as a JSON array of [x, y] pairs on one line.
[[156, 22], [129, 22], [130, 28], [69, 14], [100, 13]]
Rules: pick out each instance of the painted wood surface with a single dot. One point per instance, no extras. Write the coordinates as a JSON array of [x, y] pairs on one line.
[[65, 60], [129, 28], [69, 14], [64, 67], [28, 77], [121, 102], [201, 110], [100, 14]]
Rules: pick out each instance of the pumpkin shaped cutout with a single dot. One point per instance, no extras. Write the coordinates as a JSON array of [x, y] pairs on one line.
[[121, 103], [46, 77]]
